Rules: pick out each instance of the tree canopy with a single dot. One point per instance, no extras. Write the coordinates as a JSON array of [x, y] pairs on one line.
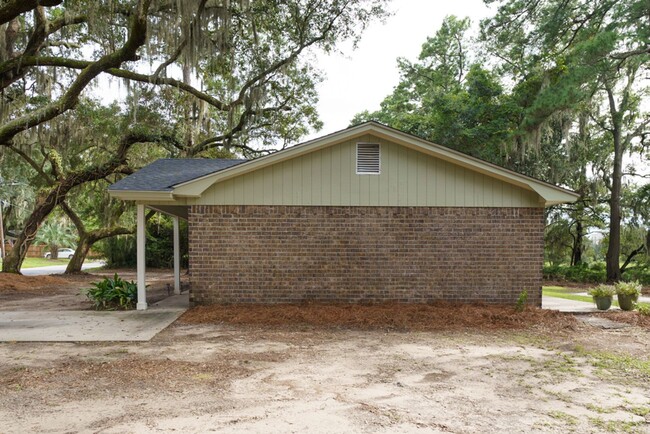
[[550, 88], [203, 77]]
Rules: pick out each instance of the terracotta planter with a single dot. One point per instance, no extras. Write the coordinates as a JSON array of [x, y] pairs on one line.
[[603, 303], [626, 302]]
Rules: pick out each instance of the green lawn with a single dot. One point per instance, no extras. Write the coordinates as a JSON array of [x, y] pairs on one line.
[[42, 262], [569, 294]]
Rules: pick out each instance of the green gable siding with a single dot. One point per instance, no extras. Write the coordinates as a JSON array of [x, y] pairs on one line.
[[328, 177]]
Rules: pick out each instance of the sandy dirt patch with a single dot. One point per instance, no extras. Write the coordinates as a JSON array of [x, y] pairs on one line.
[[247, 378]]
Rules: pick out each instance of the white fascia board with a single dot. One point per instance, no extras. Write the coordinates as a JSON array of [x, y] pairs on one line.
[[143, 196]]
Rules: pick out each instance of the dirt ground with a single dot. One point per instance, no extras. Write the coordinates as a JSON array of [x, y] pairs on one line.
[[199, 376]]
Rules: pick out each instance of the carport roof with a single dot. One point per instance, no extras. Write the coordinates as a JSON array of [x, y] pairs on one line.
[[164, 174]]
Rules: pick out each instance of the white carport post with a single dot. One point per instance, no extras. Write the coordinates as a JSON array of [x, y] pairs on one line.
[[141, 264], [177, 257]]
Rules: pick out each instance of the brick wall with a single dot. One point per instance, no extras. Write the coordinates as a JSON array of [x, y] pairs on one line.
[[274, 254]]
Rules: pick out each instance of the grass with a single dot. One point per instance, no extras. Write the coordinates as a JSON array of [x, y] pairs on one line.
[[569, 294], [42, 262]]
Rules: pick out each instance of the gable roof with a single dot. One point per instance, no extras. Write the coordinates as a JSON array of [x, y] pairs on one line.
[[196, 184], [164, 174]]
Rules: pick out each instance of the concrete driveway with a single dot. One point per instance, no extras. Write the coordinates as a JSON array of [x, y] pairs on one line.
[[91, 326]]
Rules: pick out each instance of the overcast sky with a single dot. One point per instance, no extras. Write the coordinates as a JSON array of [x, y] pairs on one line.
[[360, 79]]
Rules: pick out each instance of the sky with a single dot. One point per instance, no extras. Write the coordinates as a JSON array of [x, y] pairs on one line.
[[360, 79]]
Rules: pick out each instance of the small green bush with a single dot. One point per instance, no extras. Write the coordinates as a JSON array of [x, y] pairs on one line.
[[521, 301], [602, 291], [644, 309], [113, 293], [628, 288]]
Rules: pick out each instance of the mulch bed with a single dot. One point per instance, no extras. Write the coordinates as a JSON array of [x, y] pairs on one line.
[[388, 316], [11, 283], [633, 318]]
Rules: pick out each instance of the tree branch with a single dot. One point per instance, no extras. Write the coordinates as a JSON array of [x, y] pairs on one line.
[[632, 254], [13, 8], [70, 98]]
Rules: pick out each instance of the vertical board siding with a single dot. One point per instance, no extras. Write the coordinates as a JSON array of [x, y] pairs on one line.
[[328, 177]]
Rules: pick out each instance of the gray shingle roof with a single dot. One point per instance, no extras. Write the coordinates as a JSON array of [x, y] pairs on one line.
[[164, 174]]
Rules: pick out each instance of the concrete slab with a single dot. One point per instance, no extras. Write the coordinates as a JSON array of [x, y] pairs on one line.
[[572, 306], [603, 323], [91, 326]]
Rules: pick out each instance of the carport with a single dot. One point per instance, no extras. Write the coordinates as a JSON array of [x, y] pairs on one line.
[[177, 213], [152, 187]]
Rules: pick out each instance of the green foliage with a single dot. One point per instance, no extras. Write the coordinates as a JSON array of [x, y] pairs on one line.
[[120, 251], [640, 272], [449, 98], [113, 293], [579, 273], [602, 291], [521, 301], [644, 309], [628, 288], [594, 273], [55, 234]]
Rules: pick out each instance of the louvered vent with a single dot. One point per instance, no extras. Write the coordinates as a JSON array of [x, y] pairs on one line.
[[368, 162]]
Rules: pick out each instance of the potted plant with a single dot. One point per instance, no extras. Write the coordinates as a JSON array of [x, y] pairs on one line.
[[627, 294], [602, 295]]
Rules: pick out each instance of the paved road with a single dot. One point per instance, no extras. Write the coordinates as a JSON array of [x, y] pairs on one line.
[[57, 269]]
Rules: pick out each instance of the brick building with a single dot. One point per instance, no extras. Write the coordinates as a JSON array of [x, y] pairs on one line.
[[367, 214]]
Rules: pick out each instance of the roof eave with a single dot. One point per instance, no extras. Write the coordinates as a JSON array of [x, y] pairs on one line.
[[549, 193], [142, 195]]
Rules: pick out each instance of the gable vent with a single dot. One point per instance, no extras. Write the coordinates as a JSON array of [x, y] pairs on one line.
[[368, 159]]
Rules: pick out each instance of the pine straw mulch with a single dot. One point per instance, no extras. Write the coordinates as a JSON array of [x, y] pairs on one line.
[[387, 316], [12, 283], [633, 318]]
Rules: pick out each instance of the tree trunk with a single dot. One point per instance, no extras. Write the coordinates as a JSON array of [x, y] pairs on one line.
[[14, 259], [578, 244], [83, 247], [614, 247], [57, 194], [54, 251], [87, 240]]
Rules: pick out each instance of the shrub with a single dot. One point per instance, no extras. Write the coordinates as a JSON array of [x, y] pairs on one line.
[[594, 273], [639, 271], [120, 251], [113, 293], [521, 301], [602, 291], [644, 309]]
